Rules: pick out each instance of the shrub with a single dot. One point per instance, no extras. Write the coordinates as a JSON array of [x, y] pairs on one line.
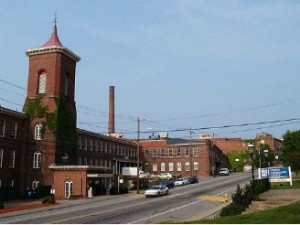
[[1, 204], [231, 210], [50, 199]]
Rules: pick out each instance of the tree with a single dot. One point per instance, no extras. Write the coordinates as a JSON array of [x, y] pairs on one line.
[[291, 149], [263, 159]]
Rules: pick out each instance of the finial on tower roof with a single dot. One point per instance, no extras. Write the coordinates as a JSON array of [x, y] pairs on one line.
[[55, 17]]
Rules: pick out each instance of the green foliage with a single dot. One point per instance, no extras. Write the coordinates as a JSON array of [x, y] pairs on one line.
[[232, 210], [61, 123], [50, 199], [241, 156], [1, 204], [35, 109], [291, 149]]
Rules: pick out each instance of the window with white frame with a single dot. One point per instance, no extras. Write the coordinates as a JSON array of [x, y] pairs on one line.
[[2, 127], [68, 188], [196, 166], [162, 151], [187, 152], [154, 153], [178, 152], [195, 152], [154, 167], [171, 167], [37, 159], [187, 166], [35, 184], [170, 152], [105, 147], [13, 131], [178, 165], [1, 157], [91, 144], [42, 83], [163, 167], [12, 158], [38, 131]]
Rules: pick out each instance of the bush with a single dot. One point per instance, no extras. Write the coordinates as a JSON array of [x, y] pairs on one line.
[[232, 210], [50, 199], [1, 204]]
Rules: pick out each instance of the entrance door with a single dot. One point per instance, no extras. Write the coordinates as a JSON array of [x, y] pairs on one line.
[[68, 188]]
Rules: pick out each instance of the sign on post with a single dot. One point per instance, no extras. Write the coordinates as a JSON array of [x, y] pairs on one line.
[[276, 174]]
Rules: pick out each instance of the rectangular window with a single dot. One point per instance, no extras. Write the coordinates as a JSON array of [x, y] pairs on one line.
[[170, 152], [105, 147], [154, 153], [37, 160], [12, 156], [163, 154], [163, 167], [2, 127], [178, 152], [195, 152], [154, 167], [85, 162], [79, 161], [146, 152], [91, 144], [196, 166], [13, 131], [171, 167], [79, 143], [96, 145], [179, 166], [187, 166], [85, 147], [187, 152], [1, 157]]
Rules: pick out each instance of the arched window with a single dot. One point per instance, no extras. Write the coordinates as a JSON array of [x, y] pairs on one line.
[[38, 131], [42, 82], [68, 188], [35, 184], [37, 160]]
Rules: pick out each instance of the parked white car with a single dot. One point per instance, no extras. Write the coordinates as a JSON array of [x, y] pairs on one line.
[[224, 172], [181, 182], [166, 176], [157, 190]]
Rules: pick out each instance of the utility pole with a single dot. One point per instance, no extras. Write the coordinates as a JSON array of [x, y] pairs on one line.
[[138, 157], [191, 153]]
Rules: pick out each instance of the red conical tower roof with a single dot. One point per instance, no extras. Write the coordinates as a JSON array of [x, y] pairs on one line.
[[54, 40]]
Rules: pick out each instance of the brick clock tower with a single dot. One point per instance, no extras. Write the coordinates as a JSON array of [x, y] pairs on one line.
[[51, 108]]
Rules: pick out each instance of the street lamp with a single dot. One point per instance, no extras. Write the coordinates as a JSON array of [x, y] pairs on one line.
[[138, 158], [251, 150]]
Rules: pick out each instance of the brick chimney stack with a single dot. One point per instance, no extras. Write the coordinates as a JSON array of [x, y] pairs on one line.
[[111, 119]]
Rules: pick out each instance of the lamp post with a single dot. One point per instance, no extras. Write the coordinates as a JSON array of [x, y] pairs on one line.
[[191, 152], [251, 150]]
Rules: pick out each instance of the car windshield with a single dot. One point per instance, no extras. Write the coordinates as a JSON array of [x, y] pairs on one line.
[[155, 187], [223, 169], [180, 179]]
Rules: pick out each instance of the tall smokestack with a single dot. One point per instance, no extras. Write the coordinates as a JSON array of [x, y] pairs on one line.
[[111, 119]]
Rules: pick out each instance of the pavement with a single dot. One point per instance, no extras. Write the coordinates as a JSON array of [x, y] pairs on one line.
[[271, 199]]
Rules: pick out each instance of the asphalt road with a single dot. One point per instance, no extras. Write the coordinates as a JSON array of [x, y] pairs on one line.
[[182, 204]]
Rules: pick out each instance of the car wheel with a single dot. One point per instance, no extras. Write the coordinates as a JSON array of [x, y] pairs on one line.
[[158, 194]]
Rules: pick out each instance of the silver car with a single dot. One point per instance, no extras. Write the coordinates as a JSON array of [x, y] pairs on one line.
[[157, 190]]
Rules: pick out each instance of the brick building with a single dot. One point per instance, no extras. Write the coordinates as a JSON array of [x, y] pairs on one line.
[[41, 148], [181, 156]]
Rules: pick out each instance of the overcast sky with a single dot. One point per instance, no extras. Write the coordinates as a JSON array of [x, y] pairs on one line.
[[226, 67]]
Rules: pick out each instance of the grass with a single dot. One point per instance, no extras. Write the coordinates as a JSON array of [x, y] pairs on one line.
[[282, 215]]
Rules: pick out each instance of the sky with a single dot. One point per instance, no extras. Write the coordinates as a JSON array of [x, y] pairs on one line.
[[230, 68]]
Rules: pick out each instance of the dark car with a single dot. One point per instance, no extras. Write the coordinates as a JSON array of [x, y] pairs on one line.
[[168, 183], [193, 180]]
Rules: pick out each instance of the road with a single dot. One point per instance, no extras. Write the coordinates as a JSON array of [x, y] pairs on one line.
[[182, 204]]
